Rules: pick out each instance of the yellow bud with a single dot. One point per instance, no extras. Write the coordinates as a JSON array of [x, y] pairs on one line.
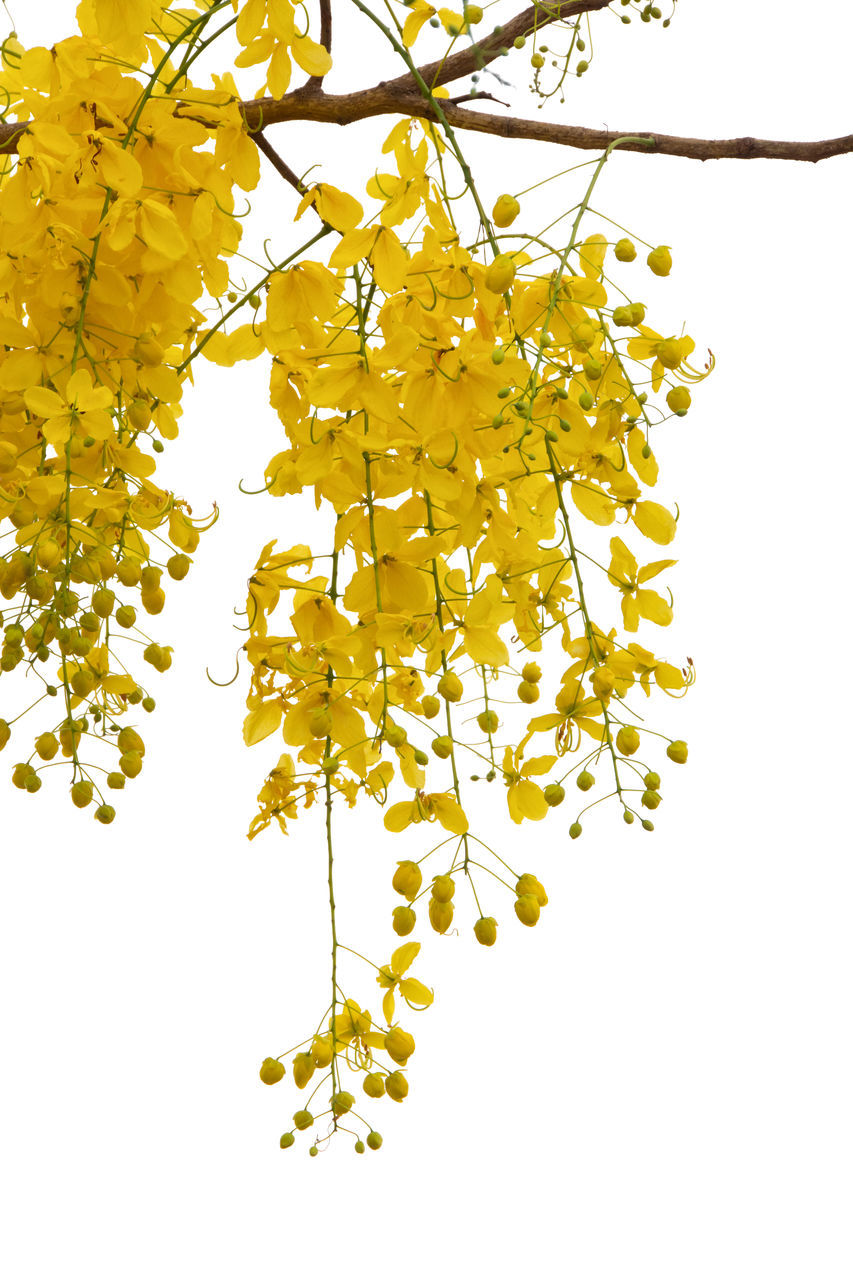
[[660, 260], [105, 814], [488, 721], [303, 1069], [81, 794], [527, 908], [531, 672], [47, 746], [603, 681], [374, 1140], [627, 740], [407, 880], [431, 706], [450, 686], [529, 884], [403, 920], [178, 566], [554, 794], [678, 399], [83, 682], [677, 751], [320, 722], [128, 573], [153, 601], [147, 351], [271, 1071], [130, 764], [500, 273], [341, 1102], [625, 250], [139, 414], [5, 733], [321, 1050], [303, 1120], [440, 915], [399, 1045], [669, 353], [286, 1140], [528, 692], [486, 930], [442, 746], [585, 780], [48, 554], [103, 601], [506, 211], [374, 1084], [396, 1086], [129, 740], [443, 888], [650, 799]]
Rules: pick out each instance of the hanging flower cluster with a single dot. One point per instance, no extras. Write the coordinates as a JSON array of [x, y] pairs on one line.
[[460, 397]]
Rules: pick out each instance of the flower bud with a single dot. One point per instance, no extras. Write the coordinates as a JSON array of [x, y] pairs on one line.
[[303, 1069], [678, 399], [341, 1102], [374, 1084], [488, 721], [442, 746], [396, 1086], [440, 915], [602, 681], [286, 1140], [527, 908], [554, 794], [271, 1070], [529, 884], [130, 764], [374, 1140], [585, 780], [627, 740], [528, 692], [660, 260], [652, 781], [450, 686], [625, 250], [500, 274], [677, 751], [443, 888], [650, 799], [399, 1045], [116, 781], [129, 740], [47, 745], [531, 672], [178, 566], [506, 211], [574, 830], [303, 1120], [407, 880], [321, 1050], [403, 920], [359, 1147], [105, 814], [81, 794], [5, 733], [126, 615], [320, 722], [486, 931], [431, 706]]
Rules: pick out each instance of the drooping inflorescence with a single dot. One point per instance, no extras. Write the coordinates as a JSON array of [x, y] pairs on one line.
[[461, 396]]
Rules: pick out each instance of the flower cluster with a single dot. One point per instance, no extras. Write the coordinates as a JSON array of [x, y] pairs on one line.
[[460, 397]]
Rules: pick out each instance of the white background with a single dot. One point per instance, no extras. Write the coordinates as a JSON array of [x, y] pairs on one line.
[[656, 1080]]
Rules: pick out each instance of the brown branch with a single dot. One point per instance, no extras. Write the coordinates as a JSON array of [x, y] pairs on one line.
[[316, 82], [280, 166], [482, 52], [400, 97]]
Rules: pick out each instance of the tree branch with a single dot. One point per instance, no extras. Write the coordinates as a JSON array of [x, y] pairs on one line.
[[400, 97], [316, 82], [482, 52]]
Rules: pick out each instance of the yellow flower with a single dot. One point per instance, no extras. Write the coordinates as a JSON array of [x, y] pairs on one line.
[[636, 602], [391, 979]]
